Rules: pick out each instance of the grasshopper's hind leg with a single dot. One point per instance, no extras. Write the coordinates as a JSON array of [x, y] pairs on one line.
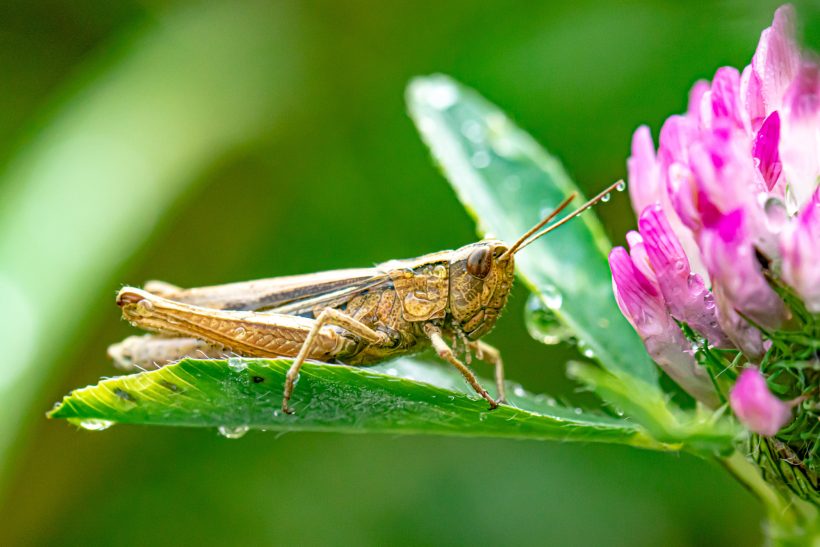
[[446, 352], [150, 351], [252, 334], [329, 316]]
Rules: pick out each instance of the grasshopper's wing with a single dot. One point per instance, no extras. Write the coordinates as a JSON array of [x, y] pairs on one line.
[[292, 294]]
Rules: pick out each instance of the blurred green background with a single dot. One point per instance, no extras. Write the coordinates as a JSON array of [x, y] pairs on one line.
[[202, 143]]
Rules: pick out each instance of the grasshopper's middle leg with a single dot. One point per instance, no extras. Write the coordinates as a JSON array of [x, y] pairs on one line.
[[333, 317], [446, 352]]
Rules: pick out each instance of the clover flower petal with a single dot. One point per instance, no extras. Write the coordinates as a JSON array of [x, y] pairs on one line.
[[800, 143], [642, 304], [777, 58], [800, 249], [684, 291], [730, 256]]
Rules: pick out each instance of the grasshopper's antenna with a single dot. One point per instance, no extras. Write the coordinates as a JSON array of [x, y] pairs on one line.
[[515, 246], [525, 240]]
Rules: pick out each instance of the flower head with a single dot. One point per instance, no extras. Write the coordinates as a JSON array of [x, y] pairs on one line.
[[728, 203]]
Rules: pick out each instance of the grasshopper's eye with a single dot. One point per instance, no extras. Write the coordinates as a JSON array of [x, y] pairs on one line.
[[479, 263]]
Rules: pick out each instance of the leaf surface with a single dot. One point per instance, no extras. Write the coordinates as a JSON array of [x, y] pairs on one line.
[[401, 397]]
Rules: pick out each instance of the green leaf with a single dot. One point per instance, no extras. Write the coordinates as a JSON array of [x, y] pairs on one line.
[[400, 397], [90, 186], [508, 183]]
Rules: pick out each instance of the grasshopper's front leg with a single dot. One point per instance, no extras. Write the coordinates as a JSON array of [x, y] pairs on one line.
[[446, 352], [492, 356]]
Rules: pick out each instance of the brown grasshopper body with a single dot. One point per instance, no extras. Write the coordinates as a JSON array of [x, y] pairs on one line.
[[355, 317]]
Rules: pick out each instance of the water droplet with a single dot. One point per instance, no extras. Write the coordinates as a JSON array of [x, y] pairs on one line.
[[543, 324], [440, 94], [237, 364], [578, 411], [482, 417], [145, 307], [502, 135], [480, 159], [791, 201], [234, 432], [585, 350], [512, 184], [96, 425], [776, 214], [473, 130], [552, 297], [239, 333], [518, 391], [621, 186], [550, 402], [605, 198]]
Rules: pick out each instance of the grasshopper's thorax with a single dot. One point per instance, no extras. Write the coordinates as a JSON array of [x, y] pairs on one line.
[[480, 282], [463, 290]]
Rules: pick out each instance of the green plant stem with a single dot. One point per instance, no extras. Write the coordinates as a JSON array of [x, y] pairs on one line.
[[791, 521]]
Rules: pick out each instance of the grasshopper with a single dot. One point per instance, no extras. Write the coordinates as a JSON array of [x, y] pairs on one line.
[[356, 317]]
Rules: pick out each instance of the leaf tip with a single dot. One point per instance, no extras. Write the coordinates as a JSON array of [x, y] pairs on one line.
[[434, 91], [59, 410]]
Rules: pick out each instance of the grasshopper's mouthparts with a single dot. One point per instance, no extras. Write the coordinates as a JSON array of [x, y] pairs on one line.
[[135, 302]]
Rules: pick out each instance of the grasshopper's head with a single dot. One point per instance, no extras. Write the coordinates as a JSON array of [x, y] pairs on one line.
[[481, 276]]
